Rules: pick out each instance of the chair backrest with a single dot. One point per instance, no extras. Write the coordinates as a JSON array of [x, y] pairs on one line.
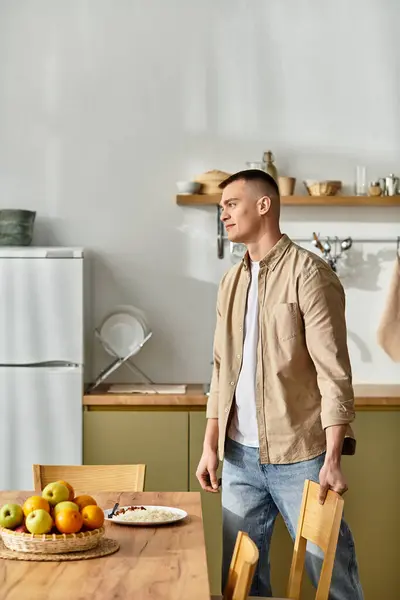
[[320, 524], [242, 567], [92, 478]]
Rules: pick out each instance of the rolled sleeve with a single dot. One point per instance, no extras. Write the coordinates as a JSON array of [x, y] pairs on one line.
[[323, 309]]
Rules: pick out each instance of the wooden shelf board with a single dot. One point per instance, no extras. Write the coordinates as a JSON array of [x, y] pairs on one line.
[[214, 199], [198, 199], [340, 201]]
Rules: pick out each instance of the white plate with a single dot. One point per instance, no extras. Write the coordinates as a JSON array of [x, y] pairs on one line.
[[123, 333], [178, 515]]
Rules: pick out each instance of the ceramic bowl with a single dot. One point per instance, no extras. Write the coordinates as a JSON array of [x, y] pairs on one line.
[[188, 187], [322, 188]]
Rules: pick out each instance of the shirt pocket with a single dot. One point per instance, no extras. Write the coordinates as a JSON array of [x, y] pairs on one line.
[[287, 322]]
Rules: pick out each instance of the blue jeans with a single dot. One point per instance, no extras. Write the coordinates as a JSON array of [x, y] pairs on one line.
[[252, 496]]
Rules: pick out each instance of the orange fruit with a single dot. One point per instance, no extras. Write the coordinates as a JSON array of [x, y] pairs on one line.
[[33, 503], [93, 516], [70, 489], [69, 521], [84, 500]]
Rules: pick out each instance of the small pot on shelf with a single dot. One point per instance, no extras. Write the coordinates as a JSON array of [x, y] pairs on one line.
[[286, 185]]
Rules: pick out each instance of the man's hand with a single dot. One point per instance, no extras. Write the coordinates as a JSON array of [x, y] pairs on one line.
[[331, 478], [207, 471]]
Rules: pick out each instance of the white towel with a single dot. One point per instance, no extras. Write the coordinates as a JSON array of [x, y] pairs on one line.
[[389, 328]]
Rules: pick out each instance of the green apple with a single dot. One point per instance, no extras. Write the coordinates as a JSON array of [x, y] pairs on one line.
[[65, 506], [39, 521], [55, 493], [11, 515]]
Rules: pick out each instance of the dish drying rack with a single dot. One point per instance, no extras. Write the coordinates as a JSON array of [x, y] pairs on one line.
[[118, 362]]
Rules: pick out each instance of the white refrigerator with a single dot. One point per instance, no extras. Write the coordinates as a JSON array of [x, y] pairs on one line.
[[41, 361]]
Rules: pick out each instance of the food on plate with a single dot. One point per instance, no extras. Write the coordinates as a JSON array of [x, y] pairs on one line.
[[141, 514], [126, 509], [39, 521], [33, 503]]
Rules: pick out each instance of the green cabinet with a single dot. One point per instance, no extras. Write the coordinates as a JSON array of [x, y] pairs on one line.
[[170, 443], [158, 439], [372, 503]]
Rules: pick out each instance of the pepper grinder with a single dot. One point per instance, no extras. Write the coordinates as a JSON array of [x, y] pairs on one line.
[[270, 168]]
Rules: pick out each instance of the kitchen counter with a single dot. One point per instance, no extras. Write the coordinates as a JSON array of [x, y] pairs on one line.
[[367, 397], [194, 397]]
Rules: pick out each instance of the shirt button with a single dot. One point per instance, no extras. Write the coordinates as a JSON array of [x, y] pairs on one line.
[[232, 383], [227, 410], [240, 328], [238, 356]]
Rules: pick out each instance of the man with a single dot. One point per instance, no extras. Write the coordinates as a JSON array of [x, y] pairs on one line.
[[281, 396]]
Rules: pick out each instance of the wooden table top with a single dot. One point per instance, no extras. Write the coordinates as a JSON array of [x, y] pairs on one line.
[[153, 563]]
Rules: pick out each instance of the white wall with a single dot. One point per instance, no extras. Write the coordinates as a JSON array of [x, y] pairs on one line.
[[104, 104]]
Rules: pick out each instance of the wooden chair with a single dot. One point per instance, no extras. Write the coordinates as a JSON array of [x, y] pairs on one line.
[[92, 478], [319, 524], [241, 570]]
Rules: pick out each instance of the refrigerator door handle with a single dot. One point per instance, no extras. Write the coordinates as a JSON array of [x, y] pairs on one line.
[[53, 364]]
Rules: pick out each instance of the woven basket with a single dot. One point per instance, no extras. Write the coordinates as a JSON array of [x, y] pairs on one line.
[[210, 181], [323, 188], [51, 543]]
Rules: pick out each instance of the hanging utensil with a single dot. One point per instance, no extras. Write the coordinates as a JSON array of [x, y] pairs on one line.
[[317, 243], [327, 246], [346, 244]]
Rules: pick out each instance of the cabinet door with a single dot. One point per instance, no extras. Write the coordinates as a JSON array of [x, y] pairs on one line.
[[371, 506], [157, 439], [211, 503]]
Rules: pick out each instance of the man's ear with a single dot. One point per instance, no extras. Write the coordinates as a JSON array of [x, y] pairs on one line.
[[264, 205]]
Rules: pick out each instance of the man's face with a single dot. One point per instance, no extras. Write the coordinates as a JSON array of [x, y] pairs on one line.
[[241, 212]]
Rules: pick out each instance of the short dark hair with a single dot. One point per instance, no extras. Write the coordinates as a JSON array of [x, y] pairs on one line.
[[253, 175]]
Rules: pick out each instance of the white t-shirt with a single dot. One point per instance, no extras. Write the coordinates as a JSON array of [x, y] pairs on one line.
[[243, 426]]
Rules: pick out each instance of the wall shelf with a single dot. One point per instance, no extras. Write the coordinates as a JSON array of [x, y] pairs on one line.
[[377, 201], [214, 200], [198, 199]]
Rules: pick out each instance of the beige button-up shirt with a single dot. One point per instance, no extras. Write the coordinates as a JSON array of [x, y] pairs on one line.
[[303, 376]]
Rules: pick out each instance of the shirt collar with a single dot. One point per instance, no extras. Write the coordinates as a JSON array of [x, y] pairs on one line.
[[272, 257]]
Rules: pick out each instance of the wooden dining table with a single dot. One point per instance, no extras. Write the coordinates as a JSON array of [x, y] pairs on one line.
[[166, 562]]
